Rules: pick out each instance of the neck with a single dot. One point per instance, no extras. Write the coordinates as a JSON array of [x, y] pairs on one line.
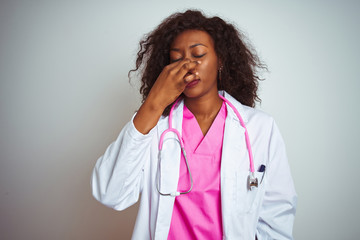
[[204, 107]]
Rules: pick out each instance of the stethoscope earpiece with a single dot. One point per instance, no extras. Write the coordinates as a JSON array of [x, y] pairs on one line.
[[174, 194]]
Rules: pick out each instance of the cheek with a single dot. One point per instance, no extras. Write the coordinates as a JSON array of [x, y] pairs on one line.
[[208, 69]]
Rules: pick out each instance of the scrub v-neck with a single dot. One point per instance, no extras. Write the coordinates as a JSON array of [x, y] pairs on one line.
[[197, 215]]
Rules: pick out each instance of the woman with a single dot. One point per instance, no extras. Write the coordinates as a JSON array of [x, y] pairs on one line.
[[201, 68]]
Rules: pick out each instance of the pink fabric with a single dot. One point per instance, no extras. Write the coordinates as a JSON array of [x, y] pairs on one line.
[[197, 215]]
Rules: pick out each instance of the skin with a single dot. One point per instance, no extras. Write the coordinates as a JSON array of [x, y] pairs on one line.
[[193, 71]]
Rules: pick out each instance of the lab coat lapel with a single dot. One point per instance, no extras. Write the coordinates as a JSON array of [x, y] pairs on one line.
[[169, 172], [235, 155], [234, 158]]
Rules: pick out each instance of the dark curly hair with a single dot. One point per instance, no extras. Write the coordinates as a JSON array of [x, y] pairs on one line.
[[240, 62]]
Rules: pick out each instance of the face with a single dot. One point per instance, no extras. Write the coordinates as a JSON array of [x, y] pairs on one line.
[[197, 45]]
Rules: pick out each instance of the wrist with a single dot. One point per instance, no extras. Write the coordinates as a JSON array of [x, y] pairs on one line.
[[155, 103]]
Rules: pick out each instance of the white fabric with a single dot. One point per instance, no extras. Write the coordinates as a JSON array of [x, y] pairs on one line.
[[129, 167]]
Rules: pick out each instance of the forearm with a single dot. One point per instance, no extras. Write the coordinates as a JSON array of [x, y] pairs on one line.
[[148, 115]]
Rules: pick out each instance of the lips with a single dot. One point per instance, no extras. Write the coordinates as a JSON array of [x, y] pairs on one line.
[[192, 83]]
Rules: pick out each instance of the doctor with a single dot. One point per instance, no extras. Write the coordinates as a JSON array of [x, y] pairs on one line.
[[234, 181]]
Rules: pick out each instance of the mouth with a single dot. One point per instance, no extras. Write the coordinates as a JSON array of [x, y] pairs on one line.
[[192, 83]]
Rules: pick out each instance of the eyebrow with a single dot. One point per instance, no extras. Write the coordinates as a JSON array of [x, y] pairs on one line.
[[192, 46]]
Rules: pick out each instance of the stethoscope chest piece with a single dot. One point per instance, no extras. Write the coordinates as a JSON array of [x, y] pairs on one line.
[[252, 182]]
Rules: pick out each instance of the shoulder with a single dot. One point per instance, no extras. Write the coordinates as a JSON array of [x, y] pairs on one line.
[[250, 115], [257, 116]]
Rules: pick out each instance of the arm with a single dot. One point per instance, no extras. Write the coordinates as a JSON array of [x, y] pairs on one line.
[[118, 174], [277, 212]]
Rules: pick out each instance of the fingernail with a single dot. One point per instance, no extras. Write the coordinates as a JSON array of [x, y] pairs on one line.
[[198, 62]]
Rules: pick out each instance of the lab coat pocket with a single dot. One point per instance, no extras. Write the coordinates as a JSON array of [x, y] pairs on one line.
[[246, 199]]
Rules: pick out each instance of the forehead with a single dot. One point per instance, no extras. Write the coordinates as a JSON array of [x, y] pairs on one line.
[[190, 37]]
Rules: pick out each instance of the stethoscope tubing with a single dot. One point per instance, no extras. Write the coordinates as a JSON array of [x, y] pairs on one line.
[[252, 178], [247, 139]]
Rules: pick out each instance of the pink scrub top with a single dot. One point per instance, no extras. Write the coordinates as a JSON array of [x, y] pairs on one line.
[[197, 215]]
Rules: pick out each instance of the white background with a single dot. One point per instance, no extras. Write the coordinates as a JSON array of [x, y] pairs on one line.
[[65, 95]]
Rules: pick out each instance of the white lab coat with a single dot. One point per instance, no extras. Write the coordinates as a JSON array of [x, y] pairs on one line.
[[129, 167]]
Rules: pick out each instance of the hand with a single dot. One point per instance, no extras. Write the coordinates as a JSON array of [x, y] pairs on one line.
[[169, 85], [172, 82]]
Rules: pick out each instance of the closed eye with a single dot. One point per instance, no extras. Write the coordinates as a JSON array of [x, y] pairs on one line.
[[199, 56], [195, 56], [175, 60]]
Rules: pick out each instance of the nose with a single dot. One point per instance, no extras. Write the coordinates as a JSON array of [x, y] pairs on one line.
[[188, 58], [187, 55], [192, 70]]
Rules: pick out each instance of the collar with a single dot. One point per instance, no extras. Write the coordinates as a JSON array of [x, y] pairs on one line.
[[241, 108], [178, 110]]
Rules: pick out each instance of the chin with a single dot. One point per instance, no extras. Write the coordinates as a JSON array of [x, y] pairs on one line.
[[198, 92], [192, 93]]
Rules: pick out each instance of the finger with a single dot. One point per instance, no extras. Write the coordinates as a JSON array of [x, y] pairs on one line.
[[191, 77], [173, 68], [186, 68], [178, 64]]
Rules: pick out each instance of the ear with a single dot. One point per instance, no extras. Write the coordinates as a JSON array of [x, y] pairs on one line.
[[220, 68], [220, 65]]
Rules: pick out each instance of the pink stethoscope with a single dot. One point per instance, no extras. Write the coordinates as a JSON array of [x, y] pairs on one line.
[[252, 180]]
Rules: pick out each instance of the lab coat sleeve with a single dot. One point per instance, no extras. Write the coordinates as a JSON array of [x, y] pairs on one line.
[[277, 212], [117, 178]]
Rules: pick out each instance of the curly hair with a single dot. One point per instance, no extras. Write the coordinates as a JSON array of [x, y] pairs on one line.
[[240, 62]]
